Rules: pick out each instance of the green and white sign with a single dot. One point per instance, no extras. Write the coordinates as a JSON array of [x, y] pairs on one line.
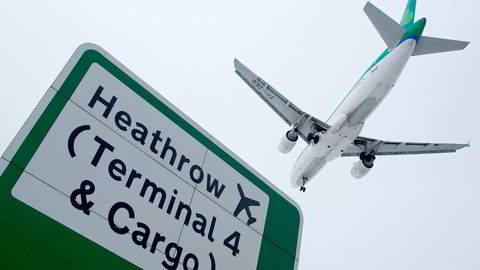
[[108, 174]]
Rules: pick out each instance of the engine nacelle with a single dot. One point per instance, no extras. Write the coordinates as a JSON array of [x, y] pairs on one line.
[[288, 141], [363, 166]]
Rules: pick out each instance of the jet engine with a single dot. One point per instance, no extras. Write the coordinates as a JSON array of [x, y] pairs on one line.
[[288, 141], [363, 166]]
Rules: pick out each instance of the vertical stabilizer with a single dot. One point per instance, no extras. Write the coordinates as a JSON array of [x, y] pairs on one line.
[[394, 33], [409, 15]]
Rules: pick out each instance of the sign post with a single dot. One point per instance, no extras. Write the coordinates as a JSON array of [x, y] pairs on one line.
[[106, 173]]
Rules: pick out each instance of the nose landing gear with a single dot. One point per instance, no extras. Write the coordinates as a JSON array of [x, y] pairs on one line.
[[303, 188]]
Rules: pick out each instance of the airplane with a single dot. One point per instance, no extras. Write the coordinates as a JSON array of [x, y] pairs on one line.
[[340, 136], [244, 204]]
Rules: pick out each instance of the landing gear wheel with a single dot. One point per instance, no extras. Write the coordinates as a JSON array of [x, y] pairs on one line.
[[303, 188], [309, 136], [316, 139], [367, 159]]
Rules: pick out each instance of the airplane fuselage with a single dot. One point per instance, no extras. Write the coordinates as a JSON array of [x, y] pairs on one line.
[[347, 120]]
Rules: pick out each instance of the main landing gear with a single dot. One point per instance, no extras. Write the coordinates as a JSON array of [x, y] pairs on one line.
[[303, 188], [367, 159], [312, 137]]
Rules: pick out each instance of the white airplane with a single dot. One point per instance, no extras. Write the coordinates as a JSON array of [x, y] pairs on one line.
[[339, 136]]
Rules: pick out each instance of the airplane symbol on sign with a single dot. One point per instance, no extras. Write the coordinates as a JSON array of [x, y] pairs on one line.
[[244, 204]]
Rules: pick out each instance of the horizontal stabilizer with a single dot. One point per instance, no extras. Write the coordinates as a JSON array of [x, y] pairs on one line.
[[390, 31], [428, 45]]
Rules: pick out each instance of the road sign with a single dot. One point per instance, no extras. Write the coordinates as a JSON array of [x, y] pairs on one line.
[[108, 174]]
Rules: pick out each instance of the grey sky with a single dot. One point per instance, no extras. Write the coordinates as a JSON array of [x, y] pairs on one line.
[[411, 212]]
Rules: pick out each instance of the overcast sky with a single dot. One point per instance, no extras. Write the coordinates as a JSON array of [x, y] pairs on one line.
[[410, 212]]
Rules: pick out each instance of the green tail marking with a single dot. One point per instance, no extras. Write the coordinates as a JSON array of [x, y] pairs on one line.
[[409, 14]]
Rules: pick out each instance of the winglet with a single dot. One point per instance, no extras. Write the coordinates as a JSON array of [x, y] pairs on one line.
[[236, 63]]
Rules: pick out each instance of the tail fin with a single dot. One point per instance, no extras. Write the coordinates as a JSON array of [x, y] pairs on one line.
[[390, 31], [409, 15], [428, 45]]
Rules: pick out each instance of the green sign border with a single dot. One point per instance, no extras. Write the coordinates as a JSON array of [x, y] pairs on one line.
[[30, 239]]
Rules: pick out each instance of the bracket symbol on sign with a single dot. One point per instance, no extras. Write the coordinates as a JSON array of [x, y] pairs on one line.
[[212, 260], [73, 137]]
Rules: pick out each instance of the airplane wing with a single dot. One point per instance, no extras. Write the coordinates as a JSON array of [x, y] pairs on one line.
[[378, 147], [290, 113]]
